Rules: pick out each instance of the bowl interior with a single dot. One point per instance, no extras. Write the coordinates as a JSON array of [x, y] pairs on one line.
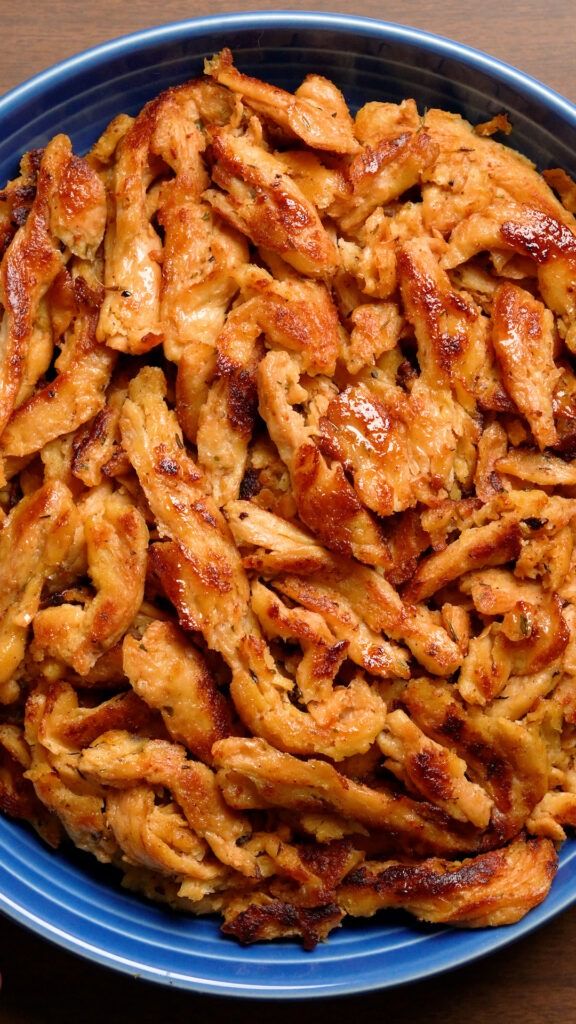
[[368, 60], [67, 897]]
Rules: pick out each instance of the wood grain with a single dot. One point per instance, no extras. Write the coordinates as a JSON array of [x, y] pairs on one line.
[[529, 983]]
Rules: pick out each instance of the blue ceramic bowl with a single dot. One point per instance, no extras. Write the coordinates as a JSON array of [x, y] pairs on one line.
[[67, 897]]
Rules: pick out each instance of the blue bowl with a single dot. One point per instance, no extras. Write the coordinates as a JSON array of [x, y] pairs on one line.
[[67, 897]]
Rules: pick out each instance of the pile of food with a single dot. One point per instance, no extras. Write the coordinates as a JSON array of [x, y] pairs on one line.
[[287, 564]]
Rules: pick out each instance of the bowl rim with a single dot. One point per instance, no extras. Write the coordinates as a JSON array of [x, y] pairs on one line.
[[261, 20], [251, 989], [289, 18]]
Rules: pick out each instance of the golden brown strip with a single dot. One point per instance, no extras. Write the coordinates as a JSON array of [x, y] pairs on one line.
[[494, 888], [493, 544], [118, 759], [77, 392], [523, 339], [34, 540], [282, 219], [316, 113], [253, 774], [171, 675], [117, 540]]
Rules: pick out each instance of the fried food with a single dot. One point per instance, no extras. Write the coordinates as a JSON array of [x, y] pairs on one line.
[[287, 509]]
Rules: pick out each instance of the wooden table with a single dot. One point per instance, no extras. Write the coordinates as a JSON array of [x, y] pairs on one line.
[[531, 982]]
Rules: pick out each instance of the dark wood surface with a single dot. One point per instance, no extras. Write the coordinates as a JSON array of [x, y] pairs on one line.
[[533, 981]]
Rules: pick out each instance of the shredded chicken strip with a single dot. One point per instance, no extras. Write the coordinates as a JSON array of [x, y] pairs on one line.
[[523, 339], [174, 489], [60, 216], [130, 319], [34, 540], [117, 540], [434, 771], [253, 774], [326, 501], [171, 675], [156, 837], [259, 199], [316, 113], [494, 888], [77, 392], [122, 761]]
